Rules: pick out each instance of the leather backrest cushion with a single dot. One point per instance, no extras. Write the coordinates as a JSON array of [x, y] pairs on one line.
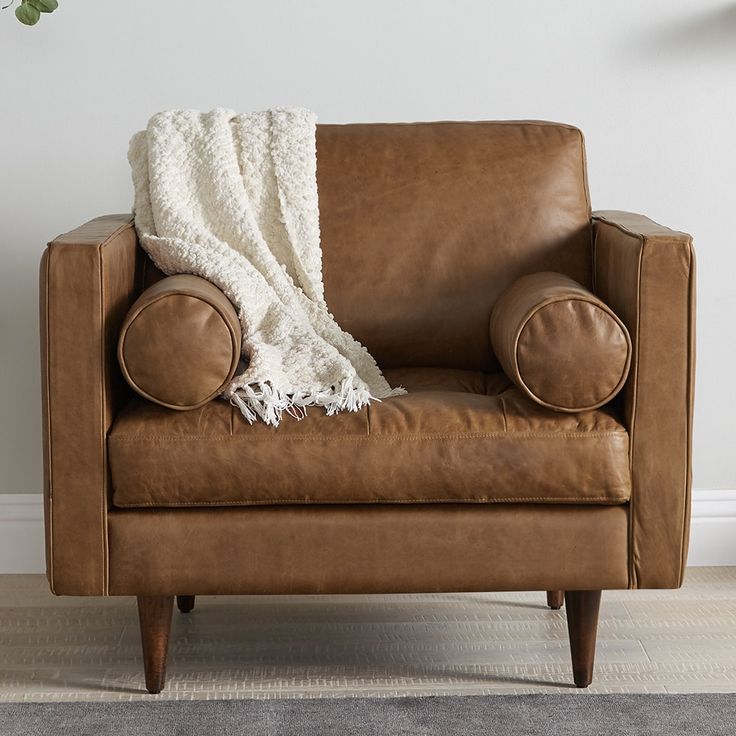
[[424, 225], [180, 342], [559, 343]]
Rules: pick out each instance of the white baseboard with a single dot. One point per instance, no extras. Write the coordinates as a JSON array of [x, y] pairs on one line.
[[713, 528], [712, 533], [22, 547]]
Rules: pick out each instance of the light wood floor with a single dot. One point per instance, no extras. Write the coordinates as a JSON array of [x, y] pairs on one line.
[[311, 646]]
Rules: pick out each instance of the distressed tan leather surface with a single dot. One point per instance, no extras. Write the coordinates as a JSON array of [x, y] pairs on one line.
[[425, 224], [646, 273], [88, 281], [438, 443], [560, 344], [180, 342], [367, 549]]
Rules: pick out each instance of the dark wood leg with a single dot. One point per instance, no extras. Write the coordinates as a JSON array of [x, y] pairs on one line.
[[154, 613], [555, 599], [582, 626], [185, 603]]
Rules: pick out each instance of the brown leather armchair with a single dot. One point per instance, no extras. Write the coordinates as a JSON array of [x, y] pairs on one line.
[[464, 484]]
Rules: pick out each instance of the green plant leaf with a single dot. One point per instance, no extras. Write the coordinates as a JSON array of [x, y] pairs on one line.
[[27, 14], [44, 6]]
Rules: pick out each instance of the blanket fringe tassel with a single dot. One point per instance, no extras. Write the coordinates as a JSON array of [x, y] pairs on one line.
[[261, 400]]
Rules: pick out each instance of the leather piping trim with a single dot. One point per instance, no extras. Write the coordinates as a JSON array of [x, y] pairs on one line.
[[103, 412], [495, 123], [374, 437], [235, 343], [558, 407], [544, 500], [47, 390], [144, 271], [633, 583], [584, 179], [591, 228], [106, 376], [690, 393], [667, 233]]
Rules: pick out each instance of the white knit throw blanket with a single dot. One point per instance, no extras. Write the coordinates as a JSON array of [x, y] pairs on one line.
[[233, 198]]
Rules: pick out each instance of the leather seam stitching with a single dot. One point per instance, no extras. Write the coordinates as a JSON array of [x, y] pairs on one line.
[[111, 236], [373, 437], [586, 184], [634, 580], [103, 412], [503, 412], [512, 123], [547, 500], [105, 376], [634, 376], [675, 236]]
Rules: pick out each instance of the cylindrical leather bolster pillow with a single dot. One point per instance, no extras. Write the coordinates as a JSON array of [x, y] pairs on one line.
[[560, 344], [180, 342]]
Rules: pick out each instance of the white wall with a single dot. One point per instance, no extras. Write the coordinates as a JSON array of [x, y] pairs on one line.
[[652, 85]]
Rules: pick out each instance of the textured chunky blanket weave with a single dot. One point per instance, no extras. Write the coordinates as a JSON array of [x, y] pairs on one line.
[[233, 198]]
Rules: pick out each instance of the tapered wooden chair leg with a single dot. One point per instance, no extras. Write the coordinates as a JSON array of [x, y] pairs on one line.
[[154, 613], [185, 603], [582, 626], [555, 599]]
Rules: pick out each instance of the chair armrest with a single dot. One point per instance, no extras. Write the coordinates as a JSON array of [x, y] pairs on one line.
[[89, 278], [646, 273]]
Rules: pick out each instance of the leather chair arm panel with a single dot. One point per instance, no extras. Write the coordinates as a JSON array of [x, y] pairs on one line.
[[646, 273], [89, 278]]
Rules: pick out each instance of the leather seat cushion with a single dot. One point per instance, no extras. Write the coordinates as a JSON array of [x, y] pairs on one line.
[[457, 436]]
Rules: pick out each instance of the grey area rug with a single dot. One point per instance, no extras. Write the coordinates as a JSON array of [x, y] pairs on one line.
[[499, 715]]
